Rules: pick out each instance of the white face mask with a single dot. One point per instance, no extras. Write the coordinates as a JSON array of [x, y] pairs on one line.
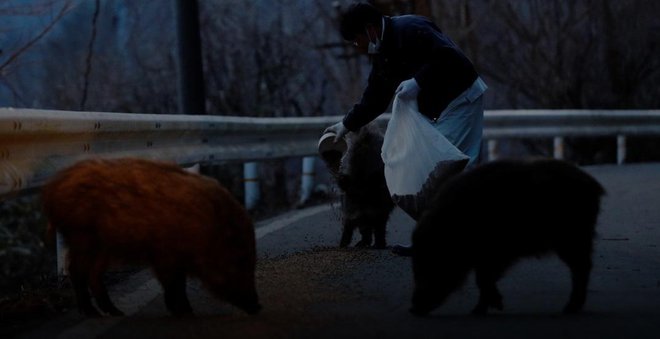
[[373, 47]]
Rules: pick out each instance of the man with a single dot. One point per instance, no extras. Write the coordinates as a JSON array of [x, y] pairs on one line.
[[412, 57]]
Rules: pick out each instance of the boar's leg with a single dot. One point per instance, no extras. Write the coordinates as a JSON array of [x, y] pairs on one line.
[[174, 291], [366, 232], [489, 296], [379, 231], [579, 262], [347, 232], [79, 269], [99, 290]]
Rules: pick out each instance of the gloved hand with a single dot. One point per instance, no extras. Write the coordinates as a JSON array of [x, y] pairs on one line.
[[408, 89], [338, 129]]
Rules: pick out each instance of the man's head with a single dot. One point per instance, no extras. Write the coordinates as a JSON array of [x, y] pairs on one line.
[[361, 24]]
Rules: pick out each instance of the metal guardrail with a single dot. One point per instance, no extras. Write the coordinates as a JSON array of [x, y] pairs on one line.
[[34, 144], [502, 124], [558, 124]]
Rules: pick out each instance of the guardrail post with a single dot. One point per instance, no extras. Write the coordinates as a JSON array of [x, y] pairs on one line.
[[620, 149], [251, 184], [558, 148], [62, 253], [492, 149], [307, 180]]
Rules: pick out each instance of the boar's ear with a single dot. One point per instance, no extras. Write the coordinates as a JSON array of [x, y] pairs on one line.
[[343, 181]]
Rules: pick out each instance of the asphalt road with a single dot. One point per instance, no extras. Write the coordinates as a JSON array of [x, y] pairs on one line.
[[311, 289]]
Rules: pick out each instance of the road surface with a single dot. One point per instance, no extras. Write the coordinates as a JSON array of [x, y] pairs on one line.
[[311, 289]]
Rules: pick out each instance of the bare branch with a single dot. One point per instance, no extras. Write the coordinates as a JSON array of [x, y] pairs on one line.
[[90, 55], [17, 54]]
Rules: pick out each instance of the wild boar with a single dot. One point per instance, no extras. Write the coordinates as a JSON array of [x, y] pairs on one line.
[[366, 201], [139, 211], [487, 218]]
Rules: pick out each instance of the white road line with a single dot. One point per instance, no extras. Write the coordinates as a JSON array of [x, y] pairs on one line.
[[287, 220], [132, 302]]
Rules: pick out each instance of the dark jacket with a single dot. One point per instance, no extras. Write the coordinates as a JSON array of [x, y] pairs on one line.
[[413, 46]]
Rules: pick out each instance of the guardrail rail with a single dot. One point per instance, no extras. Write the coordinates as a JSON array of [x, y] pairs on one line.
[[35, 144]]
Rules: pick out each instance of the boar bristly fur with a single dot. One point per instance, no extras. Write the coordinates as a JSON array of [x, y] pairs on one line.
[[366, 201], [487, 218], [138, 211]]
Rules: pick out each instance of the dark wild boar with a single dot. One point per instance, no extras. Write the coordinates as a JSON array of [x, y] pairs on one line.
[[366, 201], [132, 210], [489, 217]]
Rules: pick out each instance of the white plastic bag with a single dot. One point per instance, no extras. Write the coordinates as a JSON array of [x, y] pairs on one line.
[[417, 157]]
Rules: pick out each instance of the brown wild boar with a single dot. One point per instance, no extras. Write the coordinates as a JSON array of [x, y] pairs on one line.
[[132, 210], [487, 218]]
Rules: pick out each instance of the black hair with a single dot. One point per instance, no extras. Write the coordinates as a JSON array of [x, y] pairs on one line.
[[356, 17]]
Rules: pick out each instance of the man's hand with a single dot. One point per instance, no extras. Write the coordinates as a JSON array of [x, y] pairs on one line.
[[408, 89], [338, 129]]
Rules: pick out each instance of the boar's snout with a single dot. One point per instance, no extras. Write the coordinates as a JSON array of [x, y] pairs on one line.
[[252, 309], [423, 302]]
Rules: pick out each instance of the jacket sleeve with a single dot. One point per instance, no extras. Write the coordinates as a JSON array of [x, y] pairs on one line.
[[375, 100]]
